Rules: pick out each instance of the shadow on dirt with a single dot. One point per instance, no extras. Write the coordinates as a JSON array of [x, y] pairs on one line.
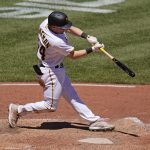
[[58, 125]]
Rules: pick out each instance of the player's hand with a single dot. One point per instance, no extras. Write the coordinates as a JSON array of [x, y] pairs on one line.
[[97, 46], [92, 39]]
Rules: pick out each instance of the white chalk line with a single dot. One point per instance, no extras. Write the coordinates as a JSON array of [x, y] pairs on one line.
[[74, 84]]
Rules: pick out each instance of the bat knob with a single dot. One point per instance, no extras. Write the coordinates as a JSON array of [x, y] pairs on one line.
[[132, 74]]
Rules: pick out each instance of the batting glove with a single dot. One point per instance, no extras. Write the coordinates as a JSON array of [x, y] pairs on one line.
[[91, 39], [97, 46]]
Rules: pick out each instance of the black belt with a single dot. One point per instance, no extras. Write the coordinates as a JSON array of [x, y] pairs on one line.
[[57, 66]]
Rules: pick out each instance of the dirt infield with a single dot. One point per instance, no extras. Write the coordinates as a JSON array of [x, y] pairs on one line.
[[128, 107]]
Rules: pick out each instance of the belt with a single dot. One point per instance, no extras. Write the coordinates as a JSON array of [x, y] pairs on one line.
[[57, 66]]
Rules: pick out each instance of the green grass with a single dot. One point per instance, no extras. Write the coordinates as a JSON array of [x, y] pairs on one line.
[[125, 33], [9, 2]]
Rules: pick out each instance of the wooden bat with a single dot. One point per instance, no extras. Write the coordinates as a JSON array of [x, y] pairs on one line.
[[118, 63]]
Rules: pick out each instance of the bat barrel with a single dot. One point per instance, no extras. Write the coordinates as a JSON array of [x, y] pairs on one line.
[[124, 67], [119, 64]]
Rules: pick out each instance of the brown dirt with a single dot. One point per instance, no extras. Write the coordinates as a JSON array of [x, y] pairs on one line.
[[63, 129]]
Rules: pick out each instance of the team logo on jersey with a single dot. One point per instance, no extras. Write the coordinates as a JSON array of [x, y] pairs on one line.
[[42, 8]]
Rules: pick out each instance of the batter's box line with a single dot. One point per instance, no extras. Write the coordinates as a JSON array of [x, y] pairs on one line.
[[74, 84]]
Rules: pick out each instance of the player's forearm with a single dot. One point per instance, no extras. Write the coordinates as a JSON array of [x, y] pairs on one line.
[[81, 53], [78, 32], [77, 54], [75, 31]]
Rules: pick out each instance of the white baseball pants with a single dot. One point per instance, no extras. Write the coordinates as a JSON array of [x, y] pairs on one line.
[[58, 84]]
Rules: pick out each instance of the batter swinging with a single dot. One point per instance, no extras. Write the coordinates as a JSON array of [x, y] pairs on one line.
[[53, 47]]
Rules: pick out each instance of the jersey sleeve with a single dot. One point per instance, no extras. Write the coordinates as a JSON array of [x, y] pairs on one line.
[[63, 48]]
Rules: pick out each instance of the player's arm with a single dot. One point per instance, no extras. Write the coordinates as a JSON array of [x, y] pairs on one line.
[[78, 32], [84, 52], [75, 31], [77, 54]]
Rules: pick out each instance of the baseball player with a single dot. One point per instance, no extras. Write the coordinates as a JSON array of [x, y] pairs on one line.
[[53, 46]]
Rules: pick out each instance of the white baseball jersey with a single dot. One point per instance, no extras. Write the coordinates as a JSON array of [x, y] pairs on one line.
[[52, 47]]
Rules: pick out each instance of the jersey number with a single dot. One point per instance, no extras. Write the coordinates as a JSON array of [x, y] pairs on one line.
[[42, 52]]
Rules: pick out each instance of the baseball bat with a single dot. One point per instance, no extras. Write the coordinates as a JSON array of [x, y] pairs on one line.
[[118, 63]]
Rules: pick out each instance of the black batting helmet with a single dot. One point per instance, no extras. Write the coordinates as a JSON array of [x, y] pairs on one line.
[[60, 19]]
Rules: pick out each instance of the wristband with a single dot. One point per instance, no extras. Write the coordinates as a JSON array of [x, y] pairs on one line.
[[84, 35], [89, 50]]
